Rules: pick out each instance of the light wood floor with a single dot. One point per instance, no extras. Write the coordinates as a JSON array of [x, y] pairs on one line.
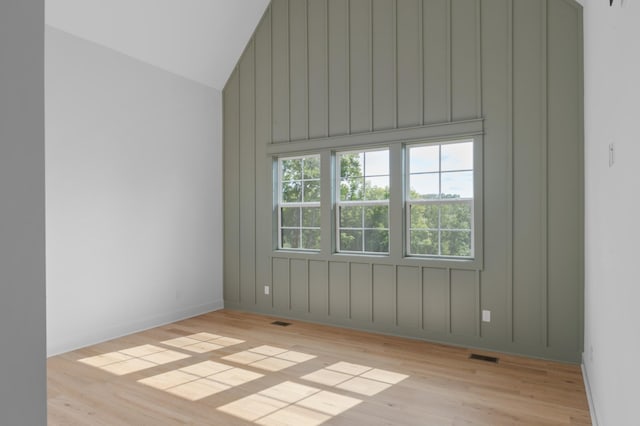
[[232, 368]]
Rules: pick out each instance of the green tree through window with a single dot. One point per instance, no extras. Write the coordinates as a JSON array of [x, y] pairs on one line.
[[299, 203], [440, 199], [363, 202]]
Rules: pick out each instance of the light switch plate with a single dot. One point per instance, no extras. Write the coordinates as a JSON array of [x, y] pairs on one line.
[[612, 154], [486, 316]]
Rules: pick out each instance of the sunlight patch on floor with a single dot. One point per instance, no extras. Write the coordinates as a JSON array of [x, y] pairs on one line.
[[269, 358], [202, 342], [200, 380], [290, 403], [133, 359], [356, 378]]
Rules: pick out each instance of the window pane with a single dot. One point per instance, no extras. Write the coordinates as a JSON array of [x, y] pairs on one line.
[[377, 188], [351, 240], [291, 169], [457, 185], [424, 242], [290, 238], [376, 163], [376, 217], [351, 217], [292, 192], [424, 216], [311, 191], [424, 187], [311, 168], [290, 217], [311, 217], [352, 189], [311, 239], [376, 241], [351, 165], [457, 156], [455, 216], [456, 243], [424, 159]]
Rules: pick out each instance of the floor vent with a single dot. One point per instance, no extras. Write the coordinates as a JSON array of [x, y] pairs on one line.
[[281, 323], [484, 358]]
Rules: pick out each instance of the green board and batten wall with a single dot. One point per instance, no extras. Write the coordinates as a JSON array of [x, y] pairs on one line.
[[317, 70]]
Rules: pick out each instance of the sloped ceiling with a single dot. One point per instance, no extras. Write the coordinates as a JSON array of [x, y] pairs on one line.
[[198, 39]]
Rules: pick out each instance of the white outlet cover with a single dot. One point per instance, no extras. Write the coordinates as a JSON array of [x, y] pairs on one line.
[[486, 316], [266, 289]]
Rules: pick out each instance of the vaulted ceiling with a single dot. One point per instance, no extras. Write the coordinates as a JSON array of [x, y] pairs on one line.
[[197, 39]]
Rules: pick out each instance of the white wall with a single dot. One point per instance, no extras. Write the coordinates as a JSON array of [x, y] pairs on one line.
[[612, 293], [134, 194], [23, 376]]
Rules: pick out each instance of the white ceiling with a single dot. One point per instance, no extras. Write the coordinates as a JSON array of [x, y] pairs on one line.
[[199, 39]]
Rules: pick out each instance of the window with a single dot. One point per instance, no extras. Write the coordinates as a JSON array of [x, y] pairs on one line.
[[299, 203], [362, 204], [440, 194]]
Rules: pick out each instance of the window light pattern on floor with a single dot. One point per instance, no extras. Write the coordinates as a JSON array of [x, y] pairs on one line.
[[356, 378], [290, 403], [202, 342], [133, 359], [269, 358], [200, 380]]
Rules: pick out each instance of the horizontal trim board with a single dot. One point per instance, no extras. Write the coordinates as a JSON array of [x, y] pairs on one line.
[[434, 131], [425, 262]]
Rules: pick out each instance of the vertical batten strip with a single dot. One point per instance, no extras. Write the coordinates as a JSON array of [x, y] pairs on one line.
[[371, 75], [581, 166], [422, 55], [478, 305], [449, 301], [372, 293], [239, 274], [348, 92], [449, 44], [306, 54], [421, 298], [395, 71], [255, 176], [328, 288], [478, 59], [271, 72], [308, 286], [544, 176], [289, 91], [509, 180], [289, 280], [395, 294], [349, 290], [328, 58]]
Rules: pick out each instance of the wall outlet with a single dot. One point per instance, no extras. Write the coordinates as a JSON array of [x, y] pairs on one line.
[[266, 290], [486, 316]]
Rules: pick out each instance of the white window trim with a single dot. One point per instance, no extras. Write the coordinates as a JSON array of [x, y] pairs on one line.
[[298, 204], [408, 202], [364, 203]]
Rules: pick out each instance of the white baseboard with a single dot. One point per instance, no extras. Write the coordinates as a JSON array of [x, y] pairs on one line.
[[587, 386], [120, 330]]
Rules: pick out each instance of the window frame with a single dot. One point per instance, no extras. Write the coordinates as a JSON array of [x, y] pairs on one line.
[[338, 203], [280, 204], [395, 140], [475, 202]]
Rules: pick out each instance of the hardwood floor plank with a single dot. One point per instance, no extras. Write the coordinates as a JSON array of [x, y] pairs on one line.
[[387, 380]]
